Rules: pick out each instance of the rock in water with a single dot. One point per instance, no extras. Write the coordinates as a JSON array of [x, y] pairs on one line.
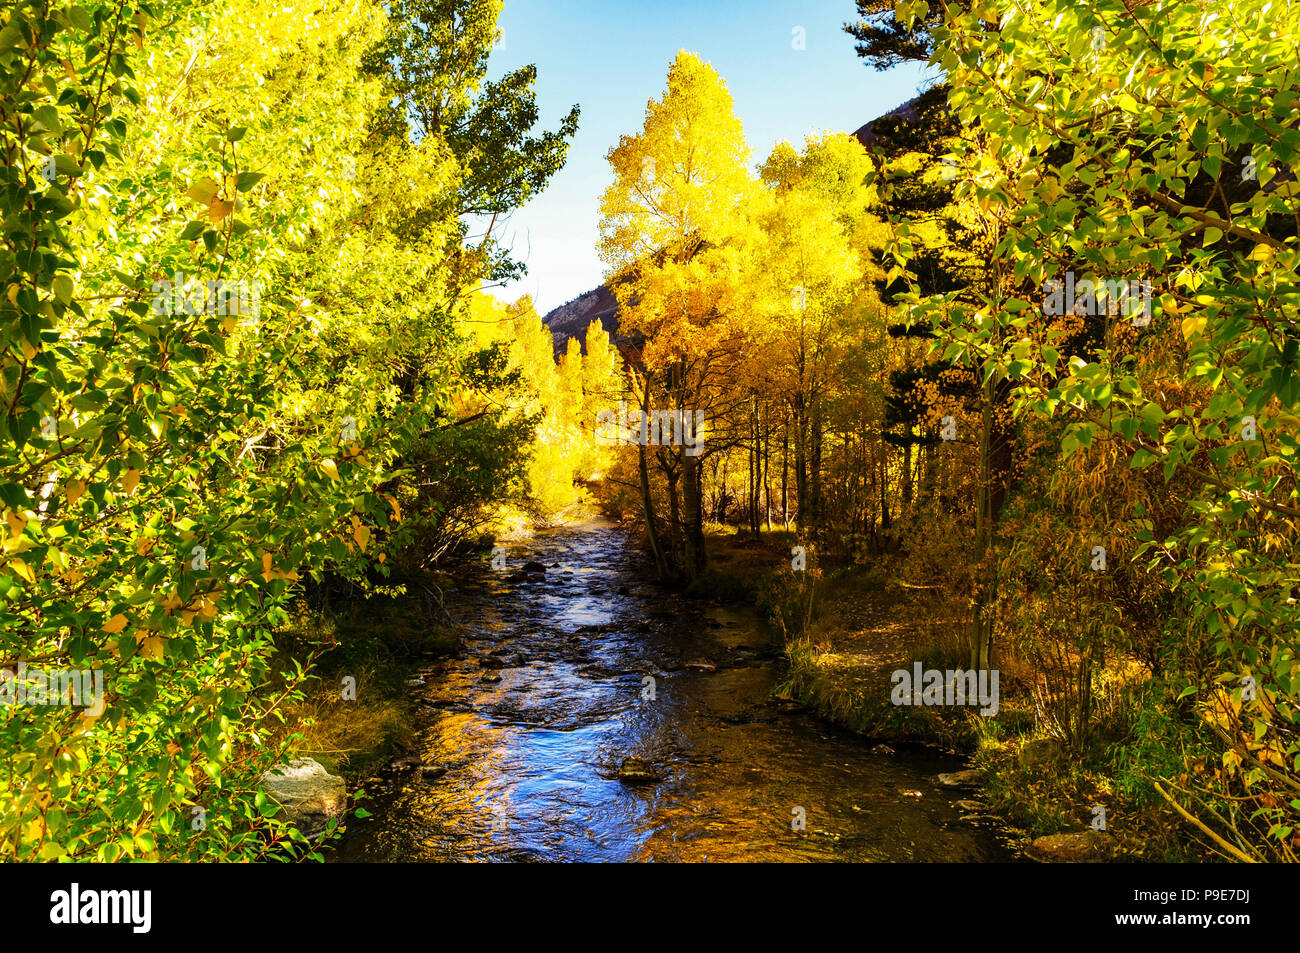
[[534, 566], [637, 771], [701, 665], [309, 795], [1073, 847], [960, 779]]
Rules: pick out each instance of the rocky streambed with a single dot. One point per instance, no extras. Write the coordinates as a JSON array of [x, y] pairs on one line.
[[596, 716]]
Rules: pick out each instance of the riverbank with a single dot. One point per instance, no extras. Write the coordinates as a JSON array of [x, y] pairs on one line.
[[355, 714], [865, 624], [417, 663], [367, 651], [584, 664]]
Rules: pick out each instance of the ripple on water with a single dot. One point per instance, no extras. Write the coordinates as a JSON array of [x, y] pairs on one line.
[[532, 758]]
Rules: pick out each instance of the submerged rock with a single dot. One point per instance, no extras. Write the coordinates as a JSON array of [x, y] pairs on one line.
[[1073, 847], [970, 807], [884, 750], [637, 771], [960, 779], [701, 665], [308, 795], [534, 566], [407, 762]]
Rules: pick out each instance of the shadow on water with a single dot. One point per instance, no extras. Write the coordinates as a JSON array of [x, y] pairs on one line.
[[522, 736]]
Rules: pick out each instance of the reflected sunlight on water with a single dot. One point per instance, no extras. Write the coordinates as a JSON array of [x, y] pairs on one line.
[[532, 759]]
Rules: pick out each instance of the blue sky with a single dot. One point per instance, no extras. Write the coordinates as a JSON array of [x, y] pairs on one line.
[[611, 56]]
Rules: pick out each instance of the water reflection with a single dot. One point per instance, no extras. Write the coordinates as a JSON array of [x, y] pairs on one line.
[[525, 734]]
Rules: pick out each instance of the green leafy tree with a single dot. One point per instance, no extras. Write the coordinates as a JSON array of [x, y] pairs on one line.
[[1158, 142]]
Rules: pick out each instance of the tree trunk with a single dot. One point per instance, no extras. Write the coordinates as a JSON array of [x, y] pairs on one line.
[[785, 468], [694, 516], [815, 467], [981, 632], [767, 490], [648, 507], [800, 464]]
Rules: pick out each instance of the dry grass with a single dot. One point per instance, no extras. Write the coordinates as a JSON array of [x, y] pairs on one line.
[[349, 736]]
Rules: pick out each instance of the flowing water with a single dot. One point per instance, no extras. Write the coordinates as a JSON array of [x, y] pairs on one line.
[[522, 735]]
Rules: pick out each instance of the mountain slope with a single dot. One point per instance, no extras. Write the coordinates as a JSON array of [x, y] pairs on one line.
[[572, 318]]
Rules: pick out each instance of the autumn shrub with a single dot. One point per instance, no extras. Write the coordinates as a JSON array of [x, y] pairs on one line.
[[228, 344], [787, 597], [1118, 136]]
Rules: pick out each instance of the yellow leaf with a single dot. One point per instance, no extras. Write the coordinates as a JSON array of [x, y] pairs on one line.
[[115, 624], [203, 190], [29, 352], [23, 570], [130, 480], [330, 469], [74, 489], [152, 647], [219, 208], [16, 523], [1192, 327]]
